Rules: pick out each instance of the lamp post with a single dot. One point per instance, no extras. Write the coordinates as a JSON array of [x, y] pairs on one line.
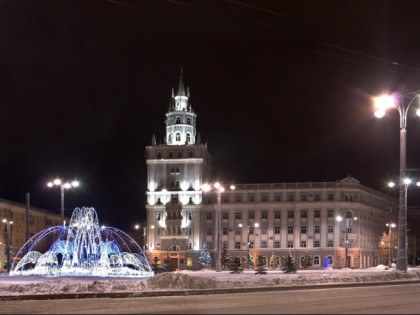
[[218, 188], [339, 219], [137, 227], [248, 261], [383, 103], [63, 186], [391, 225], [8, 223]]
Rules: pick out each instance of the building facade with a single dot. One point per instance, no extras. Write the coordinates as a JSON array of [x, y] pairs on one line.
[[267, 219], [15, 212]]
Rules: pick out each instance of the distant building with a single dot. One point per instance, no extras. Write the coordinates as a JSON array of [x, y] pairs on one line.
[[39, 220], [297, 217]]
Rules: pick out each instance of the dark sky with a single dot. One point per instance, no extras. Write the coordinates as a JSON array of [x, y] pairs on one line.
[[282, 90]]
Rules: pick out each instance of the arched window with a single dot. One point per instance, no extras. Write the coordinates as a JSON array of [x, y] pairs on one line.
[[159, 155], [316, 260], [189, 121], [302, 260], [349, 215], [178, 136], [188, 138], [170, 138], [178, 120]]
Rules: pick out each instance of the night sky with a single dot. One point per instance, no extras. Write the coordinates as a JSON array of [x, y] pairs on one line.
[[283, 91]]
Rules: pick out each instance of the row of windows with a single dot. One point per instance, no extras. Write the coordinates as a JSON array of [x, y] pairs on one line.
[[277, 215], [303, 244], [171, 155], [277, 197], [179, 121], [178, 137], [290, 230]]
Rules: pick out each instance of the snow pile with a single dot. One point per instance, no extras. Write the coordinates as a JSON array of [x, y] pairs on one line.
[[193, 280], [169, 280]]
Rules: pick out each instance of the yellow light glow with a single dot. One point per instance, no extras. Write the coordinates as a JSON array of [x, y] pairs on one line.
[[391, 184], [221, 189], [232, 187]]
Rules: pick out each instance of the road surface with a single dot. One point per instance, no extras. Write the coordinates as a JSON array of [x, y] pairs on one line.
[[395, 299]]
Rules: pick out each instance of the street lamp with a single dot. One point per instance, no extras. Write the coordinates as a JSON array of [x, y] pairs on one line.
[[218, 188], [339, 219], [391, 225], [248, 260], [382, 104], [63, 185], [8, 223], [137, 227]]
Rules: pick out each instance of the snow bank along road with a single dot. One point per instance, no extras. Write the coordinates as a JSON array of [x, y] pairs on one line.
[[188, 283]]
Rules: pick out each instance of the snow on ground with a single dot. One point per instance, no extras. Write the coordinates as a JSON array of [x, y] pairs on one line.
[[203, 279]]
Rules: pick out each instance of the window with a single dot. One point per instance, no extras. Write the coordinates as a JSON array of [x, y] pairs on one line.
[[178, 136], [276, 230], [264, 215], [225, 231], [263, 244], [290, 230], [317, 229], [331, 213], [277, 197], [330, 229], [303, 197], [277, 215], [178, 120], [330, 197], [251, 230], [179, 154], [289, 244], [170, 154], [191, 153], [330, 259], [209, 216], [189, 245], [237, 245], [303, 229], [209, 200], [264, 198], [251, 244], [316, 244], [317, 197], [238, 231], [317, 214], [189, 231], [304, 214], [330, 244], [209, 232], [238, 215], [290, 197], [350, 230], [290, 214], [209, 246], [251, 198], [159, 155], [349, 215], [303, 244], [238, 199], [225, 215], [170, 138], [188, 138], [158, 216], [177, 183], [190, 216], [225, 199], [276, 244], [189, 121], [316, 260], [264, 231], [251, 215]]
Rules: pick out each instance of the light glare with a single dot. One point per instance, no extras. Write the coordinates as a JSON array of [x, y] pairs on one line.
[[75, 183], [57, 181], [391, 184], [339, 218], [407, 181], [50, 184]]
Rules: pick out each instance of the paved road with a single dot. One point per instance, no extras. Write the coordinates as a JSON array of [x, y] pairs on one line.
[[394, 299]]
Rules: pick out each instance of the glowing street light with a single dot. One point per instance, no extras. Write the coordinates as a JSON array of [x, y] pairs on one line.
[[63, 186], [339, 219], [248, 257], [391, 225], [144, 227], [381, 105], [8, 249], [218, 188]]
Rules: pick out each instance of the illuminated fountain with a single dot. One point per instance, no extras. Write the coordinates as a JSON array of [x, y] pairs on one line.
[[82, 248]]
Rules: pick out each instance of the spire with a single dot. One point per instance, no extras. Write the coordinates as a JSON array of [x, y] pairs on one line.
[[181, 86], [153, 139]]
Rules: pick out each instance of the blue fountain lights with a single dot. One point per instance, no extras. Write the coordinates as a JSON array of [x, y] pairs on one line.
[[82, 248]]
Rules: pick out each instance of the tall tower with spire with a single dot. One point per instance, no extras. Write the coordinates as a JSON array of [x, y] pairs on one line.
[[176, 171]]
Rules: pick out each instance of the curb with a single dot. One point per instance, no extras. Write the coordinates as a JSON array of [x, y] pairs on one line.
[[72, 296]]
